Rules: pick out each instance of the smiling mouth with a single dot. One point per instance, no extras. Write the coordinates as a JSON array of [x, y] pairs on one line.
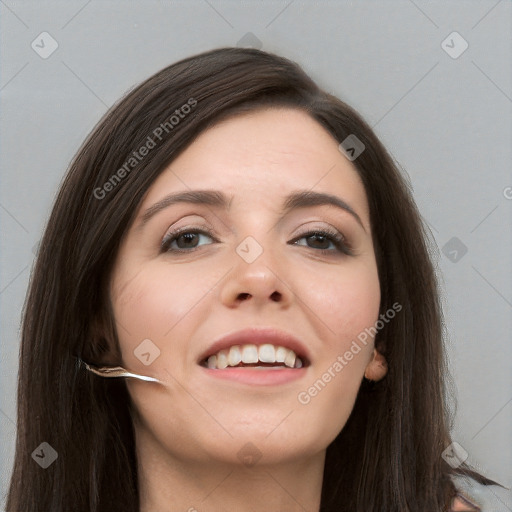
[[265, 357]]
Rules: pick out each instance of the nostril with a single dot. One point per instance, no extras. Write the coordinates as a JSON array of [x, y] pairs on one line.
[[244, 296], [276, 296]]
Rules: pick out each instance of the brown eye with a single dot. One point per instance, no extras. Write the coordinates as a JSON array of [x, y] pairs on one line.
[[187, 240], [183, 240], [325, 241], [319, 241]]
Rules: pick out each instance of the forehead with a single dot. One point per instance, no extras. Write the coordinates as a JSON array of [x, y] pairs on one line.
[[261, 155]]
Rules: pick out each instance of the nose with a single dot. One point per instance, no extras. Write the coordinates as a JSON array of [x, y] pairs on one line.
[[256, 283]]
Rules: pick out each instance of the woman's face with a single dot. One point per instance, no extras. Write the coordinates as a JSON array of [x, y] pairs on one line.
[[254, 262]]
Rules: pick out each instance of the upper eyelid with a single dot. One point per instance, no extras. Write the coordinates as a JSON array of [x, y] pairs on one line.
[[331, 231], [187, 229], [209, 229], [341, 244]]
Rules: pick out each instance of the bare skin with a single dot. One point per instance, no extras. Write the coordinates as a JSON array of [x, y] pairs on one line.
[[193, 434]]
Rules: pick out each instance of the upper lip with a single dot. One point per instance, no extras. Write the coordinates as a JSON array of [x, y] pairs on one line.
[[258, 336]]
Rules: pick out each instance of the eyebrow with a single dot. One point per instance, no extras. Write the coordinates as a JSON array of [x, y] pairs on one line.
[[219, 200]]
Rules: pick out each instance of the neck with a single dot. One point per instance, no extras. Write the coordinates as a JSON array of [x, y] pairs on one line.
[[168, 483]]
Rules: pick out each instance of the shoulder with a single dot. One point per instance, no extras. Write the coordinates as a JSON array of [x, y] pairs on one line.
[[462, 503], [475, 497]]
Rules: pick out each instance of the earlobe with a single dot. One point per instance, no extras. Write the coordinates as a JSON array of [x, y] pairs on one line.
[[377, 368]]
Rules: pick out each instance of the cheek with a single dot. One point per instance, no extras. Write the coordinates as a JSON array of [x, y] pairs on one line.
[[346, 306], [142, 311], [154, 305], [346, 301]]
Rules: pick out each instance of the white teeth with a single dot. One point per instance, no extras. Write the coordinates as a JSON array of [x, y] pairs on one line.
[[222, 359], [235, 356], [289, 360], [281, 354], [267, 353], [250, 354]]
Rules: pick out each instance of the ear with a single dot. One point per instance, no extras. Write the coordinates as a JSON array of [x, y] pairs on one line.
[[377, 368]]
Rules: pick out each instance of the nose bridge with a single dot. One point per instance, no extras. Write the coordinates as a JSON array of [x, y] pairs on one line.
[[256, 274], [258, 238], [259, 257]]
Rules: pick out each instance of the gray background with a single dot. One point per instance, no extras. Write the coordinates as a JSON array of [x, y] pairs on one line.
[[446, 120]]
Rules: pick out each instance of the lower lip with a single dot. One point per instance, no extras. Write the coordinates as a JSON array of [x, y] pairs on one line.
[[258, 376]]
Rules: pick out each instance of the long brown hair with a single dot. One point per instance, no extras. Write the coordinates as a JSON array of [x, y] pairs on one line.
[[389, 461]]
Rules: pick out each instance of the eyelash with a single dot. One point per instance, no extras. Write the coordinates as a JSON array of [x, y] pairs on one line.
[[339, 241]]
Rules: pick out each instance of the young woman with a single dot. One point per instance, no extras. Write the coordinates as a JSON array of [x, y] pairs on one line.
[[241, 244]]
